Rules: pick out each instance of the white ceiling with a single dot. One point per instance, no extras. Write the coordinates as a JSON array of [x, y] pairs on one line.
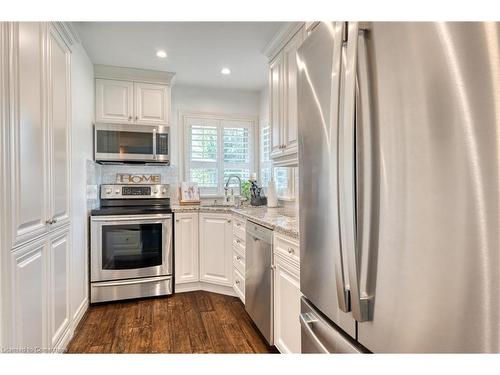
[[196, 50]]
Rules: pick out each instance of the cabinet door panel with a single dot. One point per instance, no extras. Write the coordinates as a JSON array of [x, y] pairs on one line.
[[216, 249], [276, 104], [59, 285], [29, 296], [186, 248], [151, 103], [114, 101], [59, 121], [286, 307], [290, 127], [29, 132]]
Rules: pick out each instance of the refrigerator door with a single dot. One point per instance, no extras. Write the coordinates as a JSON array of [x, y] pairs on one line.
[[432, 271], [320, 336], [322, 272]]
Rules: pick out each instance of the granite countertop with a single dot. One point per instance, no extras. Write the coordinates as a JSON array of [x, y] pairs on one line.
[[280, 219]]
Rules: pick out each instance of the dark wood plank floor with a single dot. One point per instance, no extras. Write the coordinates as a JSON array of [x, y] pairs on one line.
[[194, 322]]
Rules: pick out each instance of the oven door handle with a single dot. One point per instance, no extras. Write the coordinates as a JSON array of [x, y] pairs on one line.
[[151, 218], [130, 282]]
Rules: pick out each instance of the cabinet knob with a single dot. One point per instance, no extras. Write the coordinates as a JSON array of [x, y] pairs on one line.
[[238, 242], [49, 221], [238, 257], [130, 118], [136, 118], [290, 250], [237, 282], [177, 220], [238, 224], [229, 221]]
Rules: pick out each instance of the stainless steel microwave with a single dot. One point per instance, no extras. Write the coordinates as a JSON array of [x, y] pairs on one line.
[[125, 143]]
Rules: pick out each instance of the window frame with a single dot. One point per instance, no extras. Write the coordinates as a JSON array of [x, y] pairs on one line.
[[218, 119]]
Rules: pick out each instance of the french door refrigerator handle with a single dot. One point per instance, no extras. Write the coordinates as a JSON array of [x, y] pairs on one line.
[[347, 171], [343, 297]]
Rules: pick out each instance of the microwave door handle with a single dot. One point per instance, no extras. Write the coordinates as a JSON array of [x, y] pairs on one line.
[[154, 144]]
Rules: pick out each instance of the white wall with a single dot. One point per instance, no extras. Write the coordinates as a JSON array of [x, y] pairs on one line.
[[82, 97], [264, 105], [201, 99]]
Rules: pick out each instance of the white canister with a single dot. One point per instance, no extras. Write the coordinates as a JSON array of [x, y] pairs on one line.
[[272, 196]]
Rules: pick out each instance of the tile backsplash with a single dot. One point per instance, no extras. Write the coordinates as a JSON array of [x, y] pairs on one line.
[[98, 174]]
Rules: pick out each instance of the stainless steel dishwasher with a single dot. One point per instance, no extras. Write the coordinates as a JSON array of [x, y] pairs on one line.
[[259, 278]]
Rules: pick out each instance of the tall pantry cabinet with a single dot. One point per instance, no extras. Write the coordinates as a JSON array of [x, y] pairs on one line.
[[36, 289]]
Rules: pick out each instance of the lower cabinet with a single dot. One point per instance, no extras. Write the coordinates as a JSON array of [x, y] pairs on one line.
[[216, 251], [286, 305], [40, 292], [186, 248]]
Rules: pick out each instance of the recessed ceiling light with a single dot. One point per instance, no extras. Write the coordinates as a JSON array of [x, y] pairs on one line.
[[161, 54], [226, 71]]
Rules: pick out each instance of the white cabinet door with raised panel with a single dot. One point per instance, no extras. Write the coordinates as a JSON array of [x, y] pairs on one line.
[[216, 252], [29, 183], [59, 283], [186, 248], [276, 69], [290, 122], [152, 103], [29, 295], [114, 101], [286, 306], [59, 125]]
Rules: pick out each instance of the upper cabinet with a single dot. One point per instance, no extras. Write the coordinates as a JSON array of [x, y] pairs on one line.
[[40, 128], [114, 101], [283, 96], [135, 96]]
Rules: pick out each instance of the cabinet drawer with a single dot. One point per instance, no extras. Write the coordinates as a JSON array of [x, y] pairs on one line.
[[239, 262], [239, 245], [239, 285], [287, 248], [239, 228]]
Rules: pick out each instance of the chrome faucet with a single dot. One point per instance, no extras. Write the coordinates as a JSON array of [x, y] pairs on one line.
[[238, 199]]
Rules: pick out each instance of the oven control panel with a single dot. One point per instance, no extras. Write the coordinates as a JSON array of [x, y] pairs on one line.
[[134, 191]]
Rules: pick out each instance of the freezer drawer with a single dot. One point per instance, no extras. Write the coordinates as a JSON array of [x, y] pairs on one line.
[[320, 336]]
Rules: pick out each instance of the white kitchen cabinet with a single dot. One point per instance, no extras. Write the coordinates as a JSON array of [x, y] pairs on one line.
[[114, 101], [40, 173], [38, 312], [286, 252], [59, 285], [29, 295], [122, 101], [286, 306], [29, 149], [283, 102], [151, 103], [59, 102], [186, 248], [216, 251]]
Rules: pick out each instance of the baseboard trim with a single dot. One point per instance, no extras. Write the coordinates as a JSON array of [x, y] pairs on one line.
[[191, 287], [80, 312]]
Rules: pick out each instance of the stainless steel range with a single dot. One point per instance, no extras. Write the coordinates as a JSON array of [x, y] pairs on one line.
[[131, 252]]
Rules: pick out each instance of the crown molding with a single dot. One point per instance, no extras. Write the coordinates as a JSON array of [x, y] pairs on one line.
[[68, 32], [280, 39], [133, 74]]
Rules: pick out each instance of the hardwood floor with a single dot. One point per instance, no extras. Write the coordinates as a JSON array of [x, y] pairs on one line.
[[193, 322]]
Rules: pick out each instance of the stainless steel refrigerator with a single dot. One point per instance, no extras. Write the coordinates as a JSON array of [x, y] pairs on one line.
[[399, 156]]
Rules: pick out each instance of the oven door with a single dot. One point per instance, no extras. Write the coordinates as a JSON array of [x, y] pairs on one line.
[[132, 246]]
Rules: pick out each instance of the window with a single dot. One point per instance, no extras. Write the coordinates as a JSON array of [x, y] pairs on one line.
[[217, 148], [265, 160], [283, 177]]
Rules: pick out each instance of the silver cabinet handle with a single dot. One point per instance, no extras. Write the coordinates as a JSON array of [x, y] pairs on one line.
[[347, 186]]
